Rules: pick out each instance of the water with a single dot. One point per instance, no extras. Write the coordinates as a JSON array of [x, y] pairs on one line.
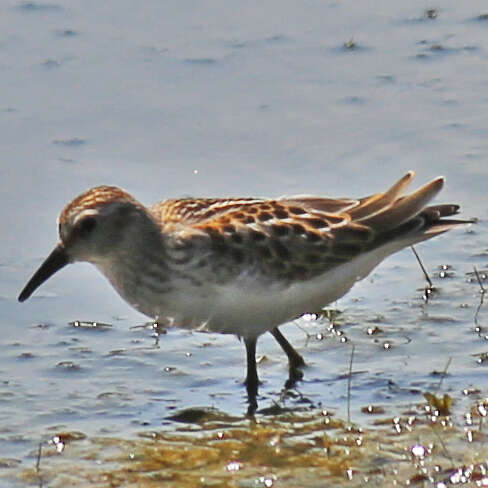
[[220, 98]]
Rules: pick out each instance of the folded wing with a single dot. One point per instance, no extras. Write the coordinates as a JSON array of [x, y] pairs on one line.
[[299, 237]]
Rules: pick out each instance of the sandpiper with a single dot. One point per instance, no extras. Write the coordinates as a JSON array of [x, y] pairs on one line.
[[240, 265]]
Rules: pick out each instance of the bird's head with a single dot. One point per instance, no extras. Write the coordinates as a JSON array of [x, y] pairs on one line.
[[90, 229]]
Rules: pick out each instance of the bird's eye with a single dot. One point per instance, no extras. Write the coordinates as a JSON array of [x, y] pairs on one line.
[[86, 226]]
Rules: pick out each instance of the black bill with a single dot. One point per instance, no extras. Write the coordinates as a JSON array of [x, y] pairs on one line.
[[54, 262]]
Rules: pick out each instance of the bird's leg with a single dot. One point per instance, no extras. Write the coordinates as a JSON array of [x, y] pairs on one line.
[[252, 379], [295, 361]]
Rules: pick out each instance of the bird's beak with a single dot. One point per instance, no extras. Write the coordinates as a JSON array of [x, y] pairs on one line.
[[54, 262]]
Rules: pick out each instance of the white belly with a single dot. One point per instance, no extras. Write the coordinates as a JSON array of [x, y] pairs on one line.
[[248, 307]]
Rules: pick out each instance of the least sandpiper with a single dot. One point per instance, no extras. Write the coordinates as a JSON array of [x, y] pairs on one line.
[[240, 265]]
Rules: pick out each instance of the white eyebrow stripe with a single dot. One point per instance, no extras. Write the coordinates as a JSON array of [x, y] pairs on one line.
[[85, 213]]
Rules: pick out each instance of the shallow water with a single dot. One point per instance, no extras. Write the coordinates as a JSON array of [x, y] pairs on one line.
[[231, 99]]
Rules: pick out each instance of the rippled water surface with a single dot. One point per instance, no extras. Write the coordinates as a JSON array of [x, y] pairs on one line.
[[225, 98]]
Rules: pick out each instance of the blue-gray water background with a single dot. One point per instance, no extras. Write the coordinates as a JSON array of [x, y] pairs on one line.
[[226, 98]]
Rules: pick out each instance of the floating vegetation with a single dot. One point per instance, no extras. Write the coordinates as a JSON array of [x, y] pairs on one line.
[[38, 7], [73, 142], [431, 13], [350, 44], [89, 324], [442, 405], [301, 448]]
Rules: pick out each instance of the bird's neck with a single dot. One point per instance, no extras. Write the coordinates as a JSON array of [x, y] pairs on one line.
[[137, 266]]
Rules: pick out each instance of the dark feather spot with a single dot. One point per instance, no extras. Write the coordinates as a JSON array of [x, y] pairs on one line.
[[297, 210], [312, 236], [281, 251], [248, 219], [217, 239], [257, 236], [317, 223], [264, 216], [298, 228], [264, 252], [237, 238], [280, 213], [252, 210], [229, 228], [218, 243], [280, 230], [332, 219]]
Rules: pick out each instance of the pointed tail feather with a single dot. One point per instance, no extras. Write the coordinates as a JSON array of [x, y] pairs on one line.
[[430, 222], [369, 206], [404, 208]]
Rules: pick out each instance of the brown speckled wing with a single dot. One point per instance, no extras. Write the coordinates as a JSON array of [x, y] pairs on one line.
[[289, 241], [284, 239], [294, 238]]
